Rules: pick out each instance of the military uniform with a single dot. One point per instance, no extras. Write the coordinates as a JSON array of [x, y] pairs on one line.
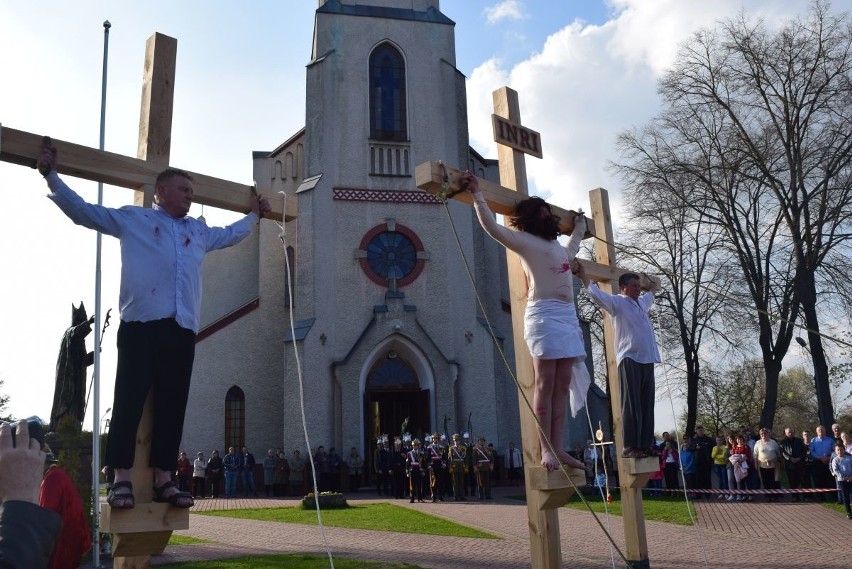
[[484, 460], [437, 456], [457, 456], [470, 474], [416, 464], [397, 461], [381, 465]]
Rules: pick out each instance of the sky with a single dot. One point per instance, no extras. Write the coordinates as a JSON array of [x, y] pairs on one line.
[[585, 70]]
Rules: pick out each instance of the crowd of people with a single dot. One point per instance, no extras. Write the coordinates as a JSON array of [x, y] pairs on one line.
[[740, 463]]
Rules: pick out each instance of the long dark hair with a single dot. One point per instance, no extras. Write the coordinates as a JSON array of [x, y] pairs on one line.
[[527, 218]]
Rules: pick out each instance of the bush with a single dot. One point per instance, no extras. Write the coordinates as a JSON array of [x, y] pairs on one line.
[[327, 501]]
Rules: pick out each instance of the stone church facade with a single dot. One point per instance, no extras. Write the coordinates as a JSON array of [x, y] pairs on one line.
[[386, 324]]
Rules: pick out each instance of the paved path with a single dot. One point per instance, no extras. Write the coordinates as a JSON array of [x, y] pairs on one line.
[[750, 535]]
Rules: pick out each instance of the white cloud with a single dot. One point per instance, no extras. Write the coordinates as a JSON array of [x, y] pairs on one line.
[[588, 83], [506, 10]]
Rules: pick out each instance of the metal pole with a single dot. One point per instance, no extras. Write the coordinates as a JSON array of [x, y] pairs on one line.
[[96, 415]]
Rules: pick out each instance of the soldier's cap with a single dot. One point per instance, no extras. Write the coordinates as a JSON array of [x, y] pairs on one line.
[[416, 442], [456, 436], [481, 438], [466, 435], [436, 436], [397, 443]]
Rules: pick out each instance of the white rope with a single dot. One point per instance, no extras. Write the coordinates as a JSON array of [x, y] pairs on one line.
[[289, 279]]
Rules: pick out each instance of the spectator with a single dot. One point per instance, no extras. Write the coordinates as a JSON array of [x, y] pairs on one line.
[[58, 494], [822, 447], [740, 458], [719, 456], [215, 470], [27, 531], [702, 444], [184, 471], [841, 469], [671, 464], [355, 465], [767, 461], [687, 464], [199, 475], [793, 453], [269, 462]]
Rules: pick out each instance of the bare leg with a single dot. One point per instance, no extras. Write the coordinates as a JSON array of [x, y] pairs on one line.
[[545, 379], [560, 404]]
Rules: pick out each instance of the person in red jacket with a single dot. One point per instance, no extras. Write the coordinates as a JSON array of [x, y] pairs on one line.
[[58, 494]]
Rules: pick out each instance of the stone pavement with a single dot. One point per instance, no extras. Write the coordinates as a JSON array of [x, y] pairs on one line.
[[752, 535]]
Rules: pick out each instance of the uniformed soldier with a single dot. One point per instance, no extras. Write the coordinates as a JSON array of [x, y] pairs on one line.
[[437, 456], [457, 457], [381, 465], [397, 461], [469, 471], [484, 460], [416, 467]]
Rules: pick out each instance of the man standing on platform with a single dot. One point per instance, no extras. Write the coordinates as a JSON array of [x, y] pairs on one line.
[[162, 251], [636, 354]]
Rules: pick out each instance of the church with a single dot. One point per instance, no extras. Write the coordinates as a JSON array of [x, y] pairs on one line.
[[374, 276]]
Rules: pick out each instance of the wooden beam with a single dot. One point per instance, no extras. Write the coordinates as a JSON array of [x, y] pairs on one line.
[[155, 114], [23, 148], [429, 176], [632, 471]]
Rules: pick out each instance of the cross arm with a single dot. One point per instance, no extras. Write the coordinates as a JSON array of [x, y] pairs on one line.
[[23, 148], [429, 176]]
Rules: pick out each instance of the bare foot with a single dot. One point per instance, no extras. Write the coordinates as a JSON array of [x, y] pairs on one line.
[[569, 460], [548, 460]]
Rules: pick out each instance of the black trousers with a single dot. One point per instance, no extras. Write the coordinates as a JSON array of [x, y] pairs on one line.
[[153, 357], [637, 403]]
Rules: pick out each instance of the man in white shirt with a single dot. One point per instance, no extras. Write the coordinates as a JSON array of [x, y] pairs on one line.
[[636, 354], [162, 250]]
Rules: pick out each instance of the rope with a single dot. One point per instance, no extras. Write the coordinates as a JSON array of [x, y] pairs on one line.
[[289, 278], [644, 257], [605, 497], [515, 379]]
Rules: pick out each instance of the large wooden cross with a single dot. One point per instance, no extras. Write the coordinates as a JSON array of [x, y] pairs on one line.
[[144, 530], [547, 491]]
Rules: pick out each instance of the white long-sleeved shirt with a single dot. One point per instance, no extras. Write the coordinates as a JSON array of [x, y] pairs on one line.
[[161, 256], [634, 333]]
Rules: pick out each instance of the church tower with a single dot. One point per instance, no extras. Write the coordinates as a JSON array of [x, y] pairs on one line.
[[387, 325]]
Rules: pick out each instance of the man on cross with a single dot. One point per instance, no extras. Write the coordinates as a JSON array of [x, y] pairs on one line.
[[551, 328], [636, 354], [162, 250]]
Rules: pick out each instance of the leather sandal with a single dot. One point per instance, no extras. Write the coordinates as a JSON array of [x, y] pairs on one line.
[[177, 499], [125, 501]]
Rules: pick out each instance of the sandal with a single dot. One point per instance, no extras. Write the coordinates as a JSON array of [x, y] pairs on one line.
[[121, 501], [176, 499]]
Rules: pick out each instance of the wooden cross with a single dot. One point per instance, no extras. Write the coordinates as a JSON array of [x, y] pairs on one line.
[[547, 491], [146, 529]]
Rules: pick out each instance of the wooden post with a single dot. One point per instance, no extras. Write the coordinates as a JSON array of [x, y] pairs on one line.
[[633, 473]]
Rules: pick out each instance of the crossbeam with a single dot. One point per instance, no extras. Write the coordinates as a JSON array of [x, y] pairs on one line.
[[429, 176], [23, 148]]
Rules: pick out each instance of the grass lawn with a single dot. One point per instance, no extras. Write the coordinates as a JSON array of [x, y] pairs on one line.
[[177, 539], [378, 517], [670, 509], [289, 561], [836, 507]]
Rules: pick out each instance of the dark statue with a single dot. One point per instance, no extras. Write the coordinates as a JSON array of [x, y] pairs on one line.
[[69, 396]]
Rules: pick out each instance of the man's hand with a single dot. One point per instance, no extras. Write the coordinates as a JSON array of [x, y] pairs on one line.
[[579, 271], [21, 467], [470, 182], [260, 206], [46, 162]]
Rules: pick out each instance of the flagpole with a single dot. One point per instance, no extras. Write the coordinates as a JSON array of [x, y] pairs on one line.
[[96, 414]]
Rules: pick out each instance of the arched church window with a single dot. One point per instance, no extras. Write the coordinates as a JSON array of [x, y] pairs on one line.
[[390, 255], [387, 94], [391, 372], [235, 418]]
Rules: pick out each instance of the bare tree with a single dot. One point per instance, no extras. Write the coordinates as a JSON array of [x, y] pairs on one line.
[[756, 134]]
